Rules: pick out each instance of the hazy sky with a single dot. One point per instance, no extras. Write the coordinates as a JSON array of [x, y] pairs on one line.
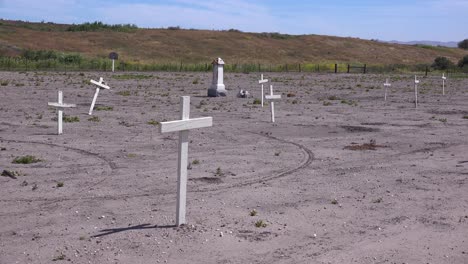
[[439, 20]]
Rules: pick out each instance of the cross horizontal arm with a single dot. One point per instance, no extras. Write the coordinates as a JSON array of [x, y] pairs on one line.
[[101, 85], [61, 105], [263, 81], [180, 125], [273, 97]]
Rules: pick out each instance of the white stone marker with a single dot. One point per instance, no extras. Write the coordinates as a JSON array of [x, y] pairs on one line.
[[443, 83], [416, 81], [60, 105], [272, 97], [262, 81], [101, 84], [217, 87], [386, 84], [183, 126]]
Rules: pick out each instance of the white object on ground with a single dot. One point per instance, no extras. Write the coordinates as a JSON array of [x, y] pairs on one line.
[[60, 105], [183, 126], [100, 85], [262, 81], [272, 97]]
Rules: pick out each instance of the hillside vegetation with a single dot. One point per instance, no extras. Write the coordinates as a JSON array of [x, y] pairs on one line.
[[201, 46]]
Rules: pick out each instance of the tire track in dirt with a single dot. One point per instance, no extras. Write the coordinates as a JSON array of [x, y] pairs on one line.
[[309, 157], [111, 164]]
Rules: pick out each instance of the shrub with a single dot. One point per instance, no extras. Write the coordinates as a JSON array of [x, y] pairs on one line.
[[442, 63], [28, 159], [463, 62], [71, 119], [463, 44]]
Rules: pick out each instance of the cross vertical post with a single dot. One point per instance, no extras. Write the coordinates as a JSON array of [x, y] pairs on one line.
[[262, 81], [443, 83], [416, 81], [113, 62], [272, 97], [60, 105], [100, 85], [60, 113], [386, 84], [183, 126]]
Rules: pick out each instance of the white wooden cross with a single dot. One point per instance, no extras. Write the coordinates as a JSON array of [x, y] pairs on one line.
[[416, 81], [272, 97], [262, 81], [100, 85], [60, 105], [443, 83], [183, 126], [386, 84]]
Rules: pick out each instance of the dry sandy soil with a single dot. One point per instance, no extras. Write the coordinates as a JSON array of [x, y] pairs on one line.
[[341, 177]]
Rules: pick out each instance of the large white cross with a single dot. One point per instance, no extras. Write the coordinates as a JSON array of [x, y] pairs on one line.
[[262, 81], [60, 105], [100, 85], [183, 126], [386, 85], [416, 81], [272, 97], [443, 83]]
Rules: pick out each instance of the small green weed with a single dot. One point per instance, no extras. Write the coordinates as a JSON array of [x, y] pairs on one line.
[[253, 212], [153, 122], [219, 172], [260, 223], [195, 162], [94, 119], [60, 184], [4, 83], [104, 108], [326, 103], [124, 93], [257, 101], [465, 117], [71, 119], [28, 159]]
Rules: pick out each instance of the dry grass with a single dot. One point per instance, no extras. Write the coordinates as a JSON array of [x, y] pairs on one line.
[[197, 46]]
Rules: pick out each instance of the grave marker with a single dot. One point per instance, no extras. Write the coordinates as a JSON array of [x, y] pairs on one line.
[[113, 56], [60, 105], [217, 87], [386, 84], [416, 81], [272, 97], [183, 126], [262, 81], [100, 85], [443, 83]]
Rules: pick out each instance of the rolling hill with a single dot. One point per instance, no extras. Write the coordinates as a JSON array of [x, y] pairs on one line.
[[200, 46]]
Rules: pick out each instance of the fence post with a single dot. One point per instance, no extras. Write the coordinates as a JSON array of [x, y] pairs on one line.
[[365, 68], [348, 68], [336, 67], [426, 70]]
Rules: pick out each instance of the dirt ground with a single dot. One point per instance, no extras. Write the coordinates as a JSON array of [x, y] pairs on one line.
[[341, 177]]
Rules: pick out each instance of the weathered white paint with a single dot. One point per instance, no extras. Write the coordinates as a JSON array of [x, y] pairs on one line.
[[60, 105], [416, 81], [100, 85], [113, 63], [272, 97], [183, 126], [443, 83], [386, 85], [262, 81], [217, 87]]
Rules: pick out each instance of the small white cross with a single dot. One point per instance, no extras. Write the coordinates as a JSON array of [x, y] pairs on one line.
[[272, 97], [60, 105], [443, 83], [262, 81], [100, 85], [183, 126], [416, 81], [386, 85]]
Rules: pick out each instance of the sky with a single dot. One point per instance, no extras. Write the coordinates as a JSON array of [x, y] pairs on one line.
[[436, 20]]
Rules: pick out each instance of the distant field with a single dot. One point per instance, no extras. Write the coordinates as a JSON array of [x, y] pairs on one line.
[[175, 46]]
